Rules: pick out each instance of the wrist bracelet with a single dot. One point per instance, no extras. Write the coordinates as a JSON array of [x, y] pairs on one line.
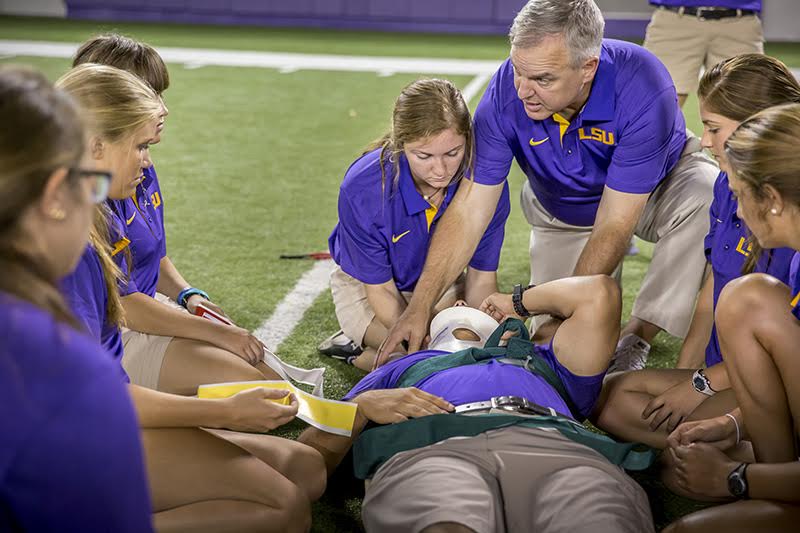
[[516, 300], [187, 293], [735, 423]]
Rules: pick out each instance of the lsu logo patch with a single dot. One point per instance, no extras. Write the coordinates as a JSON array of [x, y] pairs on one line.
[[741, 249], [155, 198], [596, 134]]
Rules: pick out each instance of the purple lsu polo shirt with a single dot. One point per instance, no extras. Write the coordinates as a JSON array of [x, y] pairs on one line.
[[628, 136], [726, 250], [143, 215], [85, 291], [752, 5], [384, 231], [70, 452], [794, 277]]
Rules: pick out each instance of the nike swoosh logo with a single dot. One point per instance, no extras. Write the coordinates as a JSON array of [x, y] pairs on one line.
[[537, 143], [396, 238], [128, 222]]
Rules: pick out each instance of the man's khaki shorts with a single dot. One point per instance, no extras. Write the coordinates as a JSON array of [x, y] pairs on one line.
[[684, 43], [353, 310], [513, 479], [143, 354]]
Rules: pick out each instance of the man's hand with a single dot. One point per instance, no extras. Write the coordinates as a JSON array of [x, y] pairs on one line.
[[719, 432], [241, 342], [412, 326], [673, 406], [499, 306], [253, 410], [703, 469], [387, 406]]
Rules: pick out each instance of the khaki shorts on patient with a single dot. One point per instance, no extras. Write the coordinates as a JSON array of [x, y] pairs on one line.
[[514, 479], [353, 310], [143, 354]]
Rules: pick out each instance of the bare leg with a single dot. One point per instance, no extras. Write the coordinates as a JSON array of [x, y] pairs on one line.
[[624, 397], [189, 363], [641, 328], [759, 339], [189, 467], [745, 516], [300, 464]]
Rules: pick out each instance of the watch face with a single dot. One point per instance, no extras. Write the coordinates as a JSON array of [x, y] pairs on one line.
[[736, 485], [699, 384]]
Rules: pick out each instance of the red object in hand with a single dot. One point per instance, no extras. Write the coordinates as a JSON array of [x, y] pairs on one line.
[[317, 256], [204, 312]]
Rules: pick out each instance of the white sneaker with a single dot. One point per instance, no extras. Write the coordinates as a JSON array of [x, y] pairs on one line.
[[631, 354]]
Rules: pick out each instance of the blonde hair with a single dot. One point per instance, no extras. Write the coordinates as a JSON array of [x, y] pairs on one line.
[[116, 103], [763, 152], [741, 86], [424, 108], [42, 132], [128, 54]]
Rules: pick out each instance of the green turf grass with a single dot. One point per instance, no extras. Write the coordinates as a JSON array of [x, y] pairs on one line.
[[250, 167]]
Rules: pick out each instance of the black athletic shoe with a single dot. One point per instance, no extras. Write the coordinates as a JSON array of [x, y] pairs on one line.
[[338, 346]]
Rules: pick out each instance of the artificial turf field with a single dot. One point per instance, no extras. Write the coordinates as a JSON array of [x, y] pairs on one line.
[[250, 164]]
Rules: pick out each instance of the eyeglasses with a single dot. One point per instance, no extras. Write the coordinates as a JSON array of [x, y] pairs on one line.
[[99, 180]]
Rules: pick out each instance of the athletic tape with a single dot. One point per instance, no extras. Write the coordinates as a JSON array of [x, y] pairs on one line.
[[328, 415], [314, 377]]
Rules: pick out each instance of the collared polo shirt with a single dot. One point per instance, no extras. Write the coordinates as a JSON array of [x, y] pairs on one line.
[[384, 229], [121, 251], [143, 215], [628, 136], [752, 5], [794, 284], [70, 448], [727, 250], [85, 291]]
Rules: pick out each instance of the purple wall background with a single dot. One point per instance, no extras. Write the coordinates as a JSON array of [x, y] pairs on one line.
[[449, 16]]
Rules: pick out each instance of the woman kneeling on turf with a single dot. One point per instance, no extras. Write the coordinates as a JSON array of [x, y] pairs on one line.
[[389, 203], [758, 319], [165, 348], [198, 481], [644, 406]]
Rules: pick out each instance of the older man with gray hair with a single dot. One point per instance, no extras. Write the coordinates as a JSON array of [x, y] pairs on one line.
[[595, 125]]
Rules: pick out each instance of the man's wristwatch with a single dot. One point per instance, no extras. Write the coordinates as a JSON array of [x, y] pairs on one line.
[[737, 482], [516, 299], [702, 384]]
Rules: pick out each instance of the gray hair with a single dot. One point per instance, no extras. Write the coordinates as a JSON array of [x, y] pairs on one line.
[[580, 21]]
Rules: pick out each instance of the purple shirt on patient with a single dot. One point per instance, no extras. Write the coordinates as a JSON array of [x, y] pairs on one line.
[[480, 382]]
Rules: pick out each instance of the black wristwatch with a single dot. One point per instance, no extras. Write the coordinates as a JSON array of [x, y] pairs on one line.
[[702, 384], [737, 482], [516, 299]]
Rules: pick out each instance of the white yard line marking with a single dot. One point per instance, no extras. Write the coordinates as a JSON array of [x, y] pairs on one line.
[[474, 87], [291, 309], [244, 58]]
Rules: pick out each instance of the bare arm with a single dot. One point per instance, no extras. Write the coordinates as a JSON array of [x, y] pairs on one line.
[[170, 281], [479, 285], [455, 240], [383, 406], [147, 315], [386, 301], [614, 225], [249, 410], [692, 352]]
